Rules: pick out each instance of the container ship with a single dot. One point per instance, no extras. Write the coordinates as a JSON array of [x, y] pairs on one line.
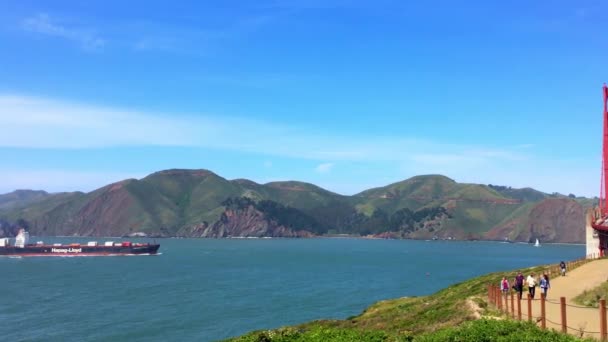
[[22, 247]]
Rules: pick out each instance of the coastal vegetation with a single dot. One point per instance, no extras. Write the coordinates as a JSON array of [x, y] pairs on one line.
[[479, 330], [592, 297], [457, 313]]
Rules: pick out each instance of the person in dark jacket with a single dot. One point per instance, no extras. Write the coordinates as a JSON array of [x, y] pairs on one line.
[[519, 284]]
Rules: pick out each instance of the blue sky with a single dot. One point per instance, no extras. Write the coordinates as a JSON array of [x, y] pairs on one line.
[[344, 94]]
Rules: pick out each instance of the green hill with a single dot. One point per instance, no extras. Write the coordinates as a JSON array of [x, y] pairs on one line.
[[199, 203], [21, 197]]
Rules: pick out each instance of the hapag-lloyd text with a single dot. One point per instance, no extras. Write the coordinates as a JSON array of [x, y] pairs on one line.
[[66, 250]]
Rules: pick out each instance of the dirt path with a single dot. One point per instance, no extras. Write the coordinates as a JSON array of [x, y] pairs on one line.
[[575, 282]]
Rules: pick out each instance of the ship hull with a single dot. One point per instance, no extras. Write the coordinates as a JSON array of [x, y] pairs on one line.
[[71, 250]]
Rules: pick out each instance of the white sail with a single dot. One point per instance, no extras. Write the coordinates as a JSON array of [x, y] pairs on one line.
[[537, 244]]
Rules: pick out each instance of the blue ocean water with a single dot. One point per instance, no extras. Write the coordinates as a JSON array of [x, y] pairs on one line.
[[207, 289]]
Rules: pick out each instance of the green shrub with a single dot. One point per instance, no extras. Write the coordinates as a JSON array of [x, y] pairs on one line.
[[592, 297], [496, 331], [317, 334], [474, 331]]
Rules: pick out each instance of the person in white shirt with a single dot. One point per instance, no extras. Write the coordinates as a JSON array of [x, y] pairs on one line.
[[531, 282]]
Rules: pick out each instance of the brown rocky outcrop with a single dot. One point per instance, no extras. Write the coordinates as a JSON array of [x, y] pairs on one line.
[[247, 222], [557, 220], [551, 220]]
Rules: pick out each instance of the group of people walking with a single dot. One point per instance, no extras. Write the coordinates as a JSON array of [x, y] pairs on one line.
[[531, 282]]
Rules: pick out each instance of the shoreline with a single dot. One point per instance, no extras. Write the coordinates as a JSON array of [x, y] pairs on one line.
[[337, 236]]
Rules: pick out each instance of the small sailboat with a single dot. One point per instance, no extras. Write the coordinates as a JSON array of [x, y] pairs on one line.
[[537, 243]]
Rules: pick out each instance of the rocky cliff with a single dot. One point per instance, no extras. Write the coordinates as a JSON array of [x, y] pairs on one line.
[[246, 222]]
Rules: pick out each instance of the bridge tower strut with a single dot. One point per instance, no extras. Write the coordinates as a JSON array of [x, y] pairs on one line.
[[599, 219], [604, 180]]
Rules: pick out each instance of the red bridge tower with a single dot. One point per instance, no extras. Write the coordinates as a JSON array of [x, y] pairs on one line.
[[599, 221]]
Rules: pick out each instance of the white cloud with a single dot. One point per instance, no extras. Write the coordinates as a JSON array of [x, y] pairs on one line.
[[324, 168], [34, 122], [59, 124], [42, 24], [52, 124], [40, 123]]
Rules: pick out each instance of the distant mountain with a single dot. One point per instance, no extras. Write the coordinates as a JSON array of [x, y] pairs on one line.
[[21, 197], [199, 203]]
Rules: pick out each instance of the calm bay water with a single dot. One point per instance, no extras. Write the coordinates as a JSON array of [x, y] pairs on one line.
[[205, 290]]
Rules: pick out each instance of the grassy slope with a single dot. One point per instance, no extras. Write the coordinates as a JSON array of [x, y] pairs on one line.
[[204, 203], [186, 198], [413, 193], [20, 198], [151, 210], [480, 330], [520, 217], [592, 297], [429, 318], [587, 202], [180, 198], [524, 194], [475, 208], [51, 210], [301, 195], [475, 218]]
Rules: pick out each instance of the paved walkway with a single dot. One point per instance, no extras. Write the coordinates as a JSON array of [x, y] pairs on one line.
[[584, 277]]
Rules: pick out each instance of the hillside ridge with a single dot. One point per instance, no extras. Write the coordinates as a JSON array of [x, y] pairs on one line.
[[201, 203]]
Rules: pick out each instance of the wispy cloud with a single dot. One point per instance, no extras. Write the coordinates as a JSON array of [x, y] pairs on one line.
[[143, 36], [39, 123], [324, 168], [59, 124], [146, 36], [43, 24]]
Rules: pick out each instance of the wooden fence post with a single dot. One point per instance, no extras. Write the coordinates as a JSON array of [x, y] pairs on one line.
[[529, 308], [498, 298], [499, 293], [489, 294], [512, 306], [562, 302], [519, 308], [603, 335], [543, 316]]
